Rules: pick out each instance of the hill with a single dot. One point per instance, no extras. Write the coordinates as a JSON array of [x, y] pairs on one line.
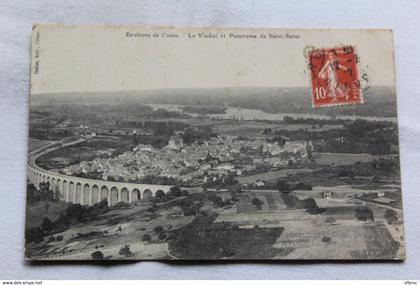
[[379, 101]]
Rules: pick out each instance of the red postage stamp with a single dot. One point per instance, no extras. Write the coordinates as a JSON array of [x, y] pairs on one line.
[[334, 76]]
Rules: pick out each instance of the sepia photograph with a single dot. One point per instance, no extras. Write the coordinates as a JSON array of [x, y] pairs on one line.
[[212, 144]]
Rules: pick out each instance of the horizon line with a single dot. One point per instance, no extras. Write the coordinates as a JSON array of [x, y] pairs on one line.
[[193, 88]]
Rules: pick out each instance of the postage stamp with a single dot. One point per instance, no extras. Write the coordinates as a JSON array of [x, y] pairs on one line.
[[334, 76]]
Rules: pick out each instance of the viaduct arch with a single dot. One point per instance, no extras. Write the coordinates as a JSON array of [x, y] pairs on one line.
[[85, 191], [89, 191]]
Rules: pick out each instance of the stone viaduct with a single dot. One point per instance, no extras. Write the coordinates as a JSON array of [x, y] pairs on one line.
[[89, 191]]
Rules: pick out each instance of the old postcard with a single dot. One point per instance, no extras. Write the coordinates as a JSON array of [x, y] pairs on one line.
[[169, 143]]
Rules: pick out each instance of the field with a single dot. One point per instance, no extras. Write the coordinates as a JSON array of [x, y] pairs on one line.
[[338, 159], [272, 175], [84, 151], [272, 201], [110, 232], [235, 231], [36, 143], [379, 243], [344, 239], [334, 234], [246, 129], [254, 129], [203, 239]]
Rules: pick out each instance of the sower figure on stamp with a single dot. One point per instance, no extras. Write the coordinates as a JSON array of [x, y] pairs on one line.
[[329, 70]]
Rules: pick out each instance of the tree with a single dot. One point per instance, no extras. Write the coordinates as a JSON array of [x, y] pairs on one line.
[[303, 186], [187, 207], [217, 200], [257, 202], [146, 238], [267, 131], [390, 216], [283, 186], [162, 235], [97, 255], [125, 251], [234, 197], [46, 193], [363, 213], [175, 191], [75, 211], [188, 212], [47, 225], [376, 179], [158, 229], [201, 134], [34, 235], [160, 196], [46, 206], [32, 195], [326, 239], [311, 206], [122, 204], [103, 204], [57, 195]]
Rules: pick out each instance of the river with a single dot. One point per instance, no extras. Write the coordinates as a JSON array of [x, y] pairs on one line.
[[254, 114]]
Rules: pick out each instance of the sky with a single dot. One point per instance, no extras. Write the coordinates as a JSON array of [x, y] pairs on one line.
[[99, 58]]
